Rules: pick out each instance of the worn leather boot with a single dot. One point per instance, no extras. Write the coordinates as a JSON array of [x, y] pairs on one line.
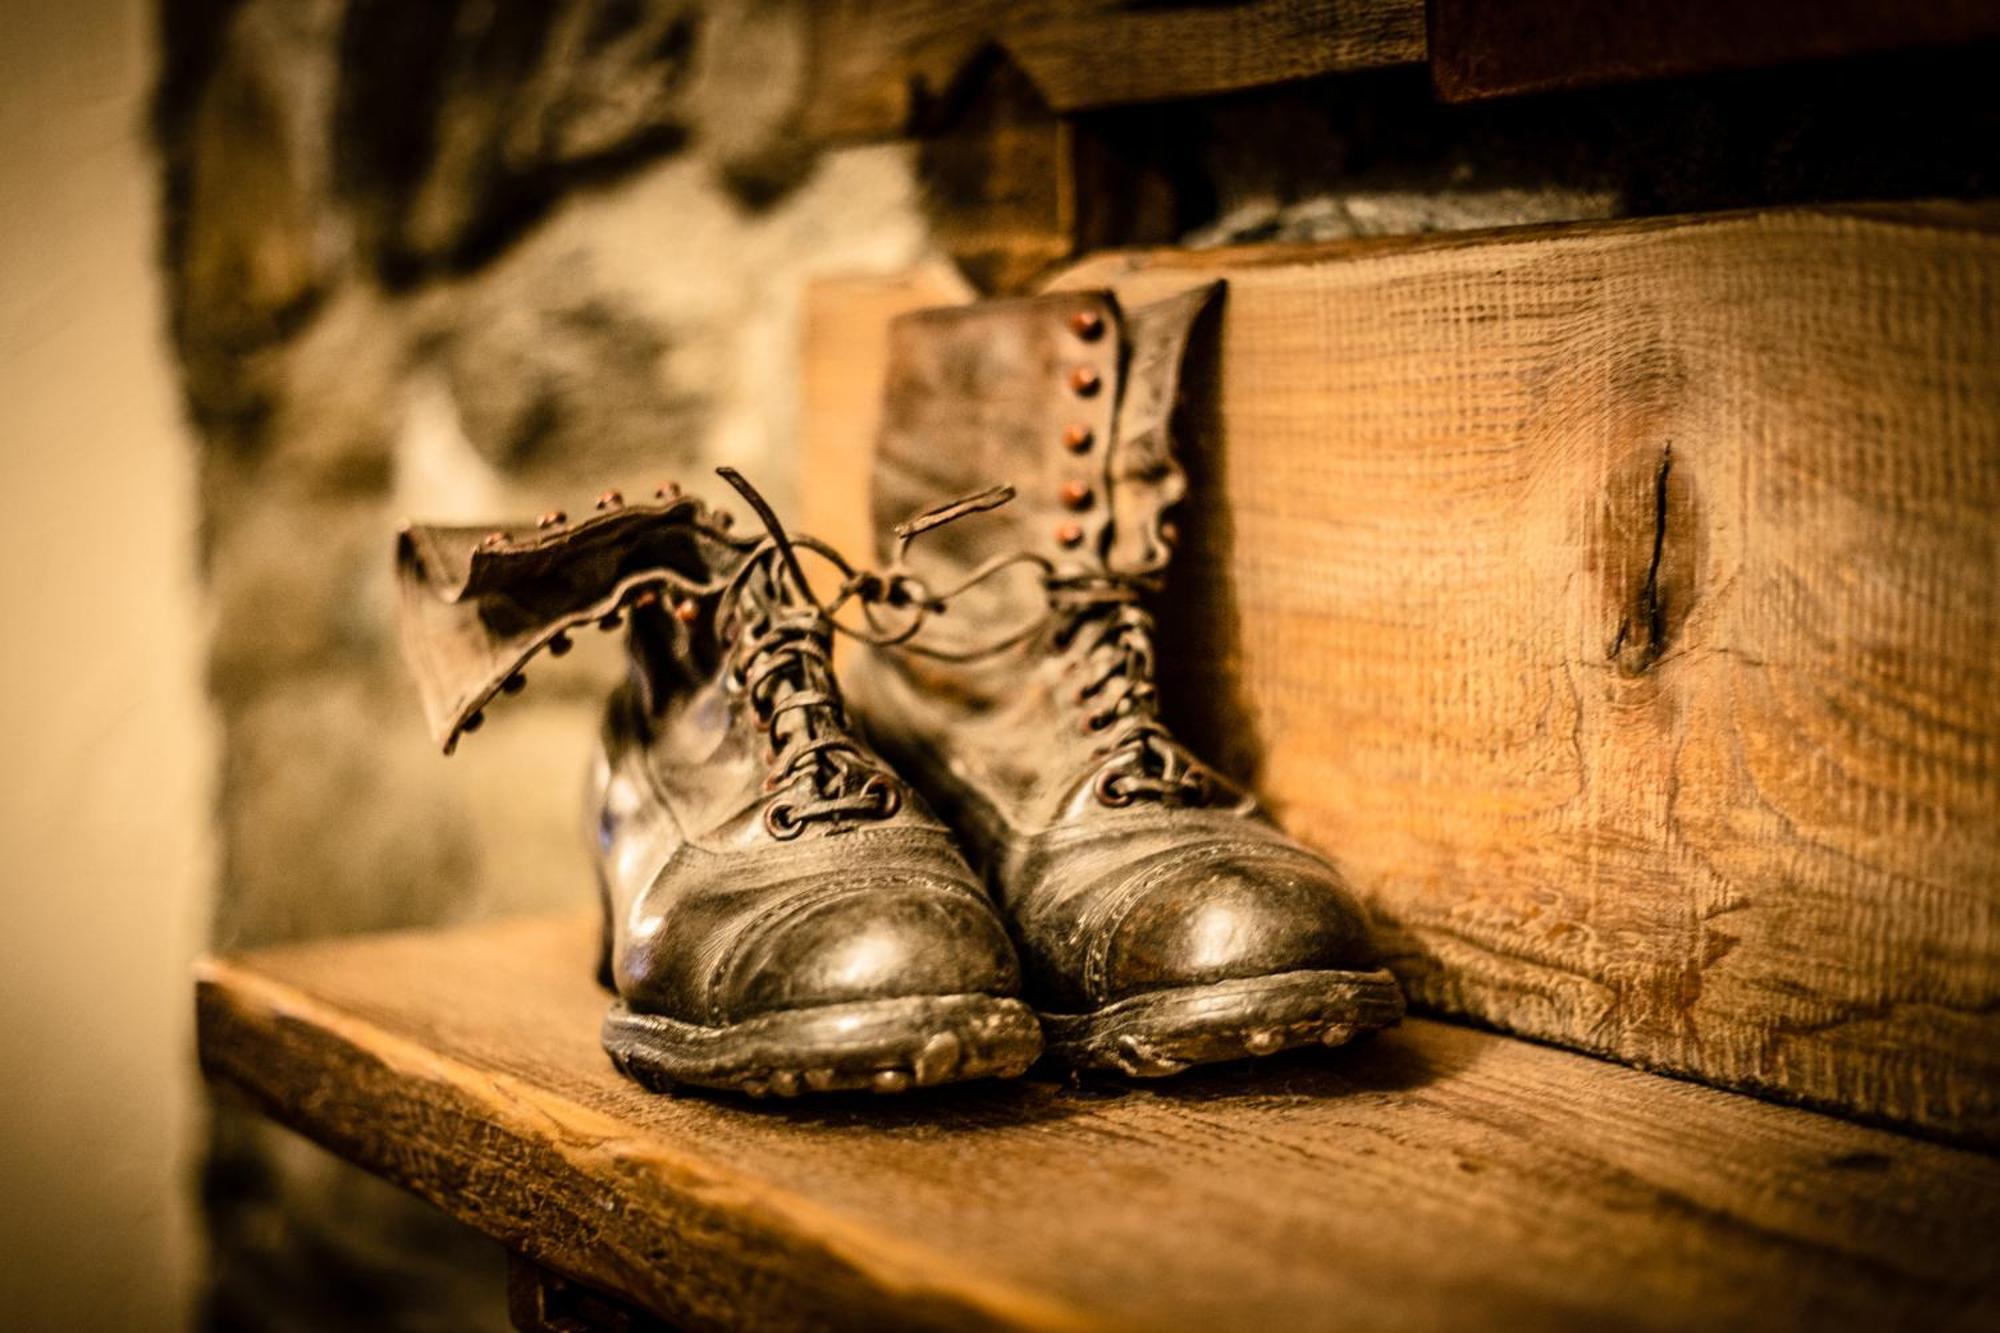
[[1162, 921], [782, 913]]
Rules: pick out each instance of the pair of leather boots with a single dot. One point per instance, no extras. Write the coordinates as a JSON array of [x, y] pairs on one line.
[[783, 911]]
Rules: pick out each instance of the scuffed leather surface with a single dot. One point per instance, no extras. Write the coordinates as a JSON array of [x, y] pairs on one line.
[[980, 396], [713, 921], [983, 392], [475, 603], [1104, 902], [1119, 903]]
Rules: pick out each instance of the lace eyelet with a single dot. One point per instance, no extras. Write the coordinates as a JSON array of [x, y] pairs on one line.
[[888, 797], [1106, 791], [780, 823]]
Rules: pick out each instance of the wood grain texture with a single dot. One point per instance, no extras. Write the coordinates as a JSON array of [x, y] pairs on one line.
[[1617, 605], [1496, 48], [999, 185], [844, 364], [1436, 1177], [1011, 189], [887, 68]]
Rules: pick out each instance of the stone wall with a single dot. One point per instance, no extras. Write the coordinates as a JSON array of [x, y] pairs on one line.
[[462, 261], [451, 261]]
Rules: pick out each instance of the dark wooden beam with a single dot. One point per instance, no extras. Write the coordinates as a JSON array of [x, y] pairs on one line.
[[1497, 48], [888, 70]]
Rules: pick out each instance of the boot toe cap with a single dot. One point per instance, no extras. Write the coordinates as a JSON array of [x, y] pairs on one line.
[[875, 942], [1229, 913]]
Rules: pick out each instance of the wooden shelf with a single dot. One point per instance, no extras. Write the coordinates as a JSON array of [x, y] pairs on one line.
[[1437, 1176]]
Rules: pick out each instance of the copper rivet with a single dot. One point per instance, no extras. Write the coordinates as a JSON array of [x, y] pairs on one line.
[[1086, 324], [473, 723], [559, 645], [610, 500], [1076, 494], [550, 519], [1077, 437], [1069, 534], [1084, 381], [686, 611], [493, 539], [646, 597], [1170, 533], [668, 491], [515, 683]]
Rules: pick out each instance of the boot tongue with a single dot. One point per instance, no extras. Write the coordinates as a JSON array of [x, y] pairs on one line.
[[1143, 478]]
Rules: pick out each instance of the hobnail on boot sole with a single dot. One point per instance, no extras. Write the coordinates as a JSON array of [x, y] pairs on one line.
[[1164, 1032], [883, 1046]]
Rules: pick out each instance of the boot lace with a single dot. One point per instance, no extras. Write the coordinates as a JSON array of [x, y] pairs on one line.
[[1100, 619], [780, 640], [781, 658], [780, 654], [1099, 616]]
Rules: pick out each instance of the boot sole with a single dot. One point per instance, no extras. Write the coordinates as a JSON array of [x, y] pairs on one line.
[[883, 1046], [1163, 1032]]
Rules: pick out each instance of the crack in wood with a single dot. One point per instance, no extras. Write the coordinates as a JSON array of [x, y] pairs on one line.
[[1650, 608]]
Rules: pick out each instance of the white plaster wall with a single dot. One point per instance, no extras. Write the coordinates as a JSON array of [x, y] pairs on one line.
[[105, 746]]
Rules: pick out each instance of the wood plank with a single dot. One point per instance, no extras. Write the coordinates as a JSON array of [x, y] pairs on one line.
[[1497, 48], [844, 362], [999, 185], [1114, 53], [890, 68], [1011, 190], [1437, 1176], [1617, 605]]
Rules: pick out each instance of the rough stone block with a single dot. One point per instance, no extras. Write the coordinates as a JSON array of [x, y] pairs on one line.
[[255, 253], [341, 816], [461, 123], [299, 585]]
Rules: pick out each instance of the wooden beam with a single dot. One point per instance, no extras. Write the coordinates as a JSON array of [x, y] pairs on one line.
[[1011, 190], [999, 184], [1497, 48], [1112, 53], [1616, 603], [891, 68], [1433, 1177]]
